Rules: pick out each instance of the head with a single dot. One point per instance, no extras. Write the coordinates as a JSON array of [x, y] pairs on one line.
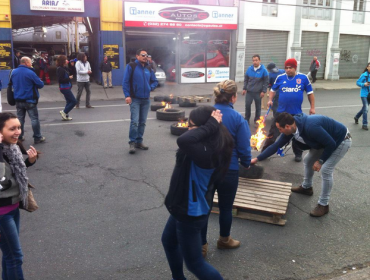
[[105, 58], [271, 66], [315, 58], [18, 53], [10, 128], [142, 56], [26, 61], [43, 54], [256, 59], [62, 61], [286, 124], [149, 58], [225, 92], [200, 116], [81, 57], [367, 68], [290, 67]]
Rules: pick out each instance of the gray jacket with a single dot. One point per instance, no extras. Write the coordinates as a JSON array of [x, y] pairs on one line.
[[256, 80]]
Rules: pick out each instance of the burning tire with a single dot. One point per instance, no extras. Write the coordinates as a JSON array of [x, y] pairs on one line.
[[156, 106], [159, 98], [176, 130], [170, 114], [187, 104]]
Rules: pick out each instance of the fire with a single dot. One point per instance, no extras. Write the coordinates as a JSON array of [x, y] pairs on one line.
[[163, 103], [182, 124], [168, 106], [260, 136]]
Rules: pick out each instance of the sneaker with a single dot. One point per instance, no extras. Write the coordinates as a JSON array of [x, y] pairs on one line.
[[40, 140], [64, 115], [319, 211], [89, 106], [356, 120], [77, 106], [302, 190], [132, 148], [68, 119], [227, 243], [298, 158], [141, 146], [364, 127]]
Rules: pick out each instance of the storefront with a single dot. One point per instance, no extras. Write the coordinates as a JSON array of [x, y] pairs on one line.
[[192, 44]]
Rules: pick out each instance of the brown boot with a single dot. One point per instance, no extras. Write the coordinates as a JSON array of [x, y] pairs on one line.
[[302, 190], [205, 250], [319, 211], [227, 243]]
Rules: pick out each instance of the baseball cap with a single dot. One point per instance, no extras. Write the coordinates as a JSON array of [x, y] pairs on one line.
[[271, 66]]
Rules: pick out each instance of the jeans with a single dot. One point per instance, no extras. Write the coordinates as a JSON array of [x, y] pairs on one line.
[[10, 246], [80, 87], [226, 190], [327, 169], [139, 112], [249, 97], [182, 242], [363, 111], [313, 75], [31, 109], [70, 99]]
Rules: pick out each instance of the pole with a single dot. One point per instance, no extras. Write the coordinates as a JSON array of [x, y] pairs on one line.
[[76, 35]]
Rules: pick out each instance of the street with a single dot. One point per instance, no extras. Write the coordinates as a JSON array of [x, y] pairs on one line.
[[101, 212]]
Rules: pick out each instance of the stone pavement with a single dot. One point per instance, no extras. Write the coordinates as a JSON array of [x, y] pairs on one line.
[[349, 274]]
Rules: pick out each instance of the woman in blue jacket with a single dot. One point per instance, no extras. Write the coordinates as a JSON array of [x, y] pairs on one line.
[[204, 153], [364, 83], [225, 98]]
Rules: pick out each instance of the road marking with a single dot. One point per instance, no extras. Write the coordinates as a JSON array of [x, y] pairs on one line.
[[58, 108], [92, 122]]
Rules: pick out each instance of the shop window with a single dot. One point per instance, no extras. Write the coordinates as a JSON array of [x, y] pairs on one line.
[[358, 11], [317, 9], [225, 3], [269, 8]]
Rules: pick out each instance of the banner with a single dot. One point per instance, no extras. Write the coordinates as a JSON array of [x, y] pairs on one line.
[[192, 75], [112, 52], [5, 55], [217, 74], [77, 6], [138, 14]]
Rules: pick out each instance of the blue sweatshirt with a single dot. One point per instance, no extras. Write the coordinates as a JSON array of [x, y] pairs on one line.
[[256, 80], [365, 77], [239, 130], [318, 132], [24, 81]]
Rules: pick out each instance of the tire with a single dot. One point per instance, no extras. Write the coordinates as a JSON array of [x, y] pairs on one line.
[[156, 106], [174, 100], [187, 104], [175, 130], [166, 98], [170, 114], [159, 98]]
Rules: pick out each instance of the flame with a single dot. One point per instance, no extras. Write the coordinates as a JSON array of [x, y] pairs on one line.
[[168, 106], [182, 124], [163, 103], [260, 136]]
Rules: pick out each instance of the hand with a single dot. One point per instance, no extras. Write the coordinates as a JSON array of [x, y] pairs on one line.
[[262, 94], [89, 72], [244, 92], [32, 154], [217, 115], [316, 166], [71, 77], [254, 161], [312, 111], [128, 100], [1, 138], [269, 103], [367, 84]]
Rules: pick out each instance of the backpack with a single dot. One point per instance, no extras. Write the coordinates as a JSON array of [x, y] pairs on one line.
[[133, 66]]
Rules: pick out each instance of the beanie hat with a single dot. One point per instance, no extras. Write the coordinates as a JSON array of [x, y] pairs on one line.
[[271, 66], [201, 115], [291, 62]]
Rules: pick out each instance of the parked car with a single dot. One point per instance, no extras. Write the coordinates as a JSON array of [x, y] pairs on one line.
[[29, 51], [161, 76]]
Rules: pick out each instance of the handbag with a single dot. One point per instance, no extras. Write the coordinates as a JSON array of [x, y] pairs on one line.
[[9, 92], [32, 204]]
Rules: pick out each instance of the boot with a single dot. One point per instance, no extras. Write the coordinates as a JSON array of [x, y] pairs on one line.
[[205, 250], [302, 190], [319, 211], [227, 243]]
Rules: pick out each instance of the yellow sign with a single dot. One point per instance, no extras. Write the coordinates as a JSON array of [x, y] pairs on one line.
[[5, 55], [112, 52]]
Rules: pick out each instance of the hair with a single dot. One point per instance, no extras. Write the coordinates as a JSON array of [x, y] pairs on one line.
[[224, 91], [256, 55], [139, 51], [61, 60], [81, 56], [284, 119], [368, 64], [24, 60]]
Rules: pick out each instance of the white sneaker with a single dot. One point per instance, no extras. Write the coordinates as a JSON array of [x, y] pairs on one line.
[[64, 115]]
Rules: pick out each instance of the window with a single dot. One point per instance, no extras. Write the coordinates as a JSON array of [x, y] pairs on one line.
[[317, 9], [358, 11], [269, 8]]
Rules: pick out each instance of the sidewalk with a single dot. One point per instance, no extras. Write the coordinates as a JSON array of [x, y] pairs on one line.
[[51, 93]]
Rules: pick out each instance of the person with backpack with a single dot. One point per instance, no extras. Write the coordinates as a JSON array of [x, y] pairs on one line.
[[364, 83], [138, 81], [65, 86]]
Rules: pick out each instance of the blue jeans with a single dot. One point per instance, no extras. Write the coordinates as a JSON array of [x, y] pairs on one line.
[[363, 111], [139, 112], [70, 99], [31, 109], [226, 190], [10, 246], [182, 242], [327, 169], [249, 97]]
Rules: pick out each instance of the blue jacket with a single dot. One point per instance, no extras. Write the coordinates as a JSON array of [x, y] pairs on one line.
[[365, 77], [256, 81], [239, 130], [318, 132], [25, 81], [144, 81]]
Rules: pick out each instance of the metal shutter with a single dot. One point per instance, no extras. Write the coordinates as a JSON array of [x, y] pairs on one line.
[[270, 45], [353, 56], [314, 44]]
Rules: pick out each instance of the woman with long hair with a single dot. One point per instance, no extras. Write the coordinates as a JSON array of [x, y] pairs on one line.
[[65, 86], [204, 153], [364, 83], [13, 191], [83, 71], [225, 98]]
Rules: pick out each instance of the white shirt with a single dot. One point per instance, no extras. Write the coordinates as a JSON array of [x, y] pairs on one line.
[[297, 137], [81, 70], [256, 68]]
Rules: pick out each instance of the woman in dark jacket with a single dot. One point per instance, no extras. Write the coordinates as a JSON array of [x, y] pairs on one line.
[[204, 153], [65, 86], [13, 191]]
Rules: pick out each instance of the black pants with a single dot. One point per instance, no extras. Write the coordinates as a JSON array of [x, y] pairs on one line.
[[313, 75]]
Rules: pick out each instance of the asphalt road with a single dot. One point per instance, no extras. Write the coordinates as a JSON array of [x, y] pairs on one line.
[[101, 210]]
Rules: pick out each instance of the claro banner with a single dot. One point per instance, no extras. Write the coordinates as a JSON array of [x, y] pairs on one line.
[[179, 16]]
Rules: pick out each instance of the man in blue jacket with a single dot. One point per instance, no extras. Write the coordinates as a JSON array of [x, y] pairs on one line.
[[138, 81], [26, 94], [274, 72], [328, 142], [256, 80]]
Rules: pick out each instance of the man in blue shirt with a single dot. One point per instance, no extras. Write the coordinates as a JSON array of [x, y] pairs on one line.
[[291, 86]]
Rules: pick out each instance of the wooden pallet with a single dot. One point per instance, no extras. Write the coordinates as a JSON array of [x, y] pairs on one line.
[[260, 200], [194, 98]]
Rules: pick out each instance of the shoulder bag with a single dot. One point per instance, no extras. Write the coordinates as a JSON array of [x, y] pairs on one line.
[[9, 91]]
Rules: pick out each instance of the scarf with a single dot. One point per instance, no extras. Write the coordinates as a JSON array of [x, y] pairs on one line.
[[19, 168]]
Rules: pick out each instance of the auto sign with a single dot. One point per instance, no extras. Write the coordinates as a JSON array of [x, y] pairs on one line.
[[183, 14], [193, 74], [192, 42]]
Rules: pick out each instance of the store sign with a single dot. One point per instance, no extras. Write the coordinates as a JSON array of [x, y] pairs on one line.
[[192, 75], [159, 15], [218, 74], [112, 52], [5, 55], [58, 5]]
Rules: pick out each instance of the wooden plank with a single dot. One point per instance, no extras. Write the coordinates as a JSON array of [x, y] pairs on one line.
[[271, 185], [266, 200], [266, 181], [273, 193]]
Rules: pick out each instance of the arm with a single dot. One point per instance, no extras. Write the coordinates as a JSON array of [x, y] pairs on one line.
[[79, 70], [243, 144], [126, 81], [36, 80], [61, 76], [246, 79], [311, 99], [361, 81], [272, 149], [153, 80]]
